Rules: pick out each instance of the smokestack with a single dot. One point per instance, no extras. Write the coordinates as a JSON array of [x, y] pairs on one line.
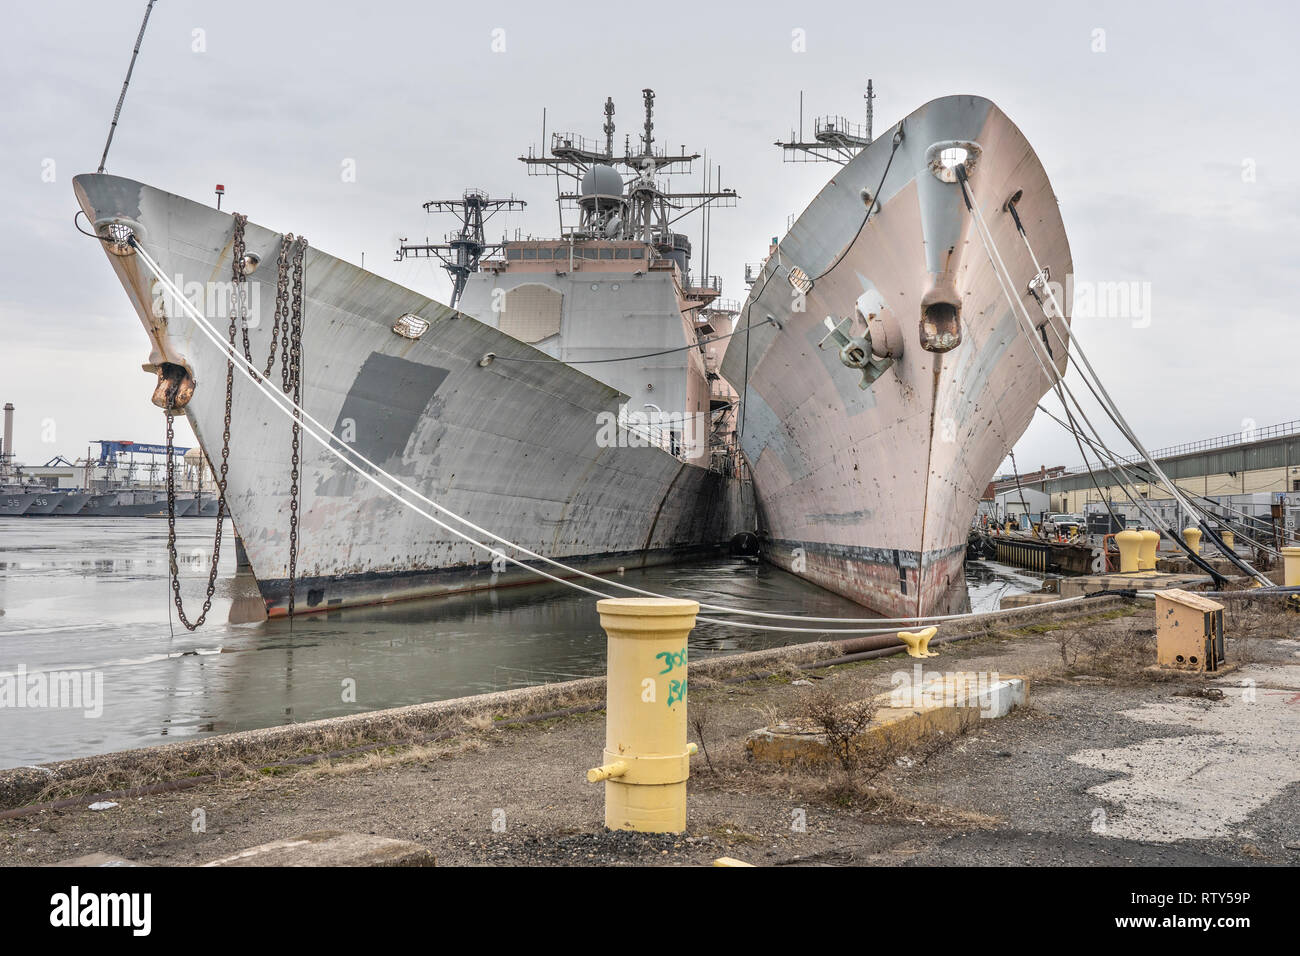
[[9, 432]]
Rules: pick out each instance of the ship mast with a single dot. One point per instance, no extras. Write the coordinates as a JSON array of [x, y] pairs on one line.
[[624, 197], [465, 248], [835, 138]]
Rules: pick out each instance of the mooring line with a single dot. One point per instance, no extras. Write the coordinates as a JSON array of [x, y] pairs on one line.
[[323, 437], [286, 404]]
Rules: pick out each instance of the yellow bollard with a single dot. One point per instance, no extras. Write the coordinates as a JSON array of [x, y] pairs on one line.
[[1130, 543], [918, 642], [1147, 553], [1228, 540], [647, 758], [1291, 567], [1192, 536]]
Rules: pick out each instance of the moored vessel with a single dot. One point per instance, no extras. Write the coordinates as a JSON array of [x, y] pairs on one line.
[[893, 376], [501, 432]]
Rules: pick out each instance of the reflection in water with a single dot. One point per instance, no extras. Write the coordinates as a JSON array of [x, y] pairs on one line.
[[92, 595], [988, 581]]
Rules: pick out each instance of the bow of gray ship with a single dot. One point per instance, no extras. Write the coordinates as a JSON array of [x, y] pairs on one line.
[[897, 377]]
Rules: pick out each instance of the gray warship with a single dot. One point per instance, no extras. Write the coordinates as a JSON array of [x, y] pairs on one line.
[[484, 406], [896, 376]]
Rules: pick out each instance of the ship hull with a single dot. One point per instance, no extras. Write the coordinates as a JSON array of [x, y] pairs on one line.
[[73, 503], [870, 492], [515, 447], [14, 504], [42, 503]]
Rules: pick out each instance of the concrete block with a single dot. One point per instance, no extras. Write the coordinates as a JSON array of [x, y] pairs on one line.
[[926, 704], [331, 848]]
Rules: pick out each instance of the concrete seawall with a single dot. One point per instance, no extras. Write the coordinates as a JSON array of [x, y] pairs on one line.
[[176, 761]]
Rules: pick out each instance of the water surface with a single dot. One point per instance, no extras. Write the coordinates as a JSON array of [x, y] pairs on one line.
[[91, 595]]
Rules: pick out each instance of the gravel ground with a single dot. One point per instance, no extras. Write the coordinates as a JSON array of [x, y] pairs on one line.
[[1008, 792]]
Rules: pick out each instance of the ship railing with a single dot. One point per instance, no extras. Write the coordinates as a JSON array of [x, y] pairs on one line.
[[836, 127], [726, 306], [561, 141], [684, 436]]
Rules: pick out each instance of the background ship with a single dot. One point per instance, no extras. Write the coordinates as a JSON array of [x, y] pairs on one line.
[[480, 421], [871, 444], [114, 484]]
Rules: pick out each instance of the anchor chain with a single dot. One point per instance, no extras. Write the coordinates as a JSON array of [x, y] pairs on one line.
[[286, 332], [173, 570], [291, 379]]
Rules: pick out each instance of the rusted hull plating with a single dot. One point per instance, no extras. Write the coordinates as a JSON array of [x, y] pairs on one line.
[[513, 447], [876, 487]]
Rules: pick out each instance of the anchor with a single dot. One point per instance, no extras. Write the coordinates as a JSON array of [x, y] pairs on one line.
[[855, 351]]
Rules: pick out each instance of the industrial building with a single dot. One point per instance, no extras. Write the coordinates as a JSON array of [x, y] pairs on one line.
[[1255, 471]]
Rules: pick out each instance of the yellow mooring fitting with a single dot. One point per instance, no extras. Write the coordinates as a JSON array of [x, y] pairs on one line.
[[1228, 540], [1129, 543], [918, 642], [1147, 553], [647, 758], [1291, 567], [1192, 536]]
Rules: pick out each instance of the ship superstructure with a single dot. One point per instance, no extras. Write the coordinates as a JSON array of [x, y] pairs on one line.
[[617, 281]]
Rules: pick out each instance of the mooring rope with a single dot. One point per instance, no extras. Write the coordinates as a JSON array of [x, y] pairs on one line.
[[327, 440], [1112, 409], [324, 437], [1049, 367], [1052, 373], [1240, 515], [628, 358]]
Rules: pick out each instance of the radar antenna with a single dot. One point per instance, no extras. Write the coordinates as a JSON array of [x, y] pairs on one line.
[[609, 127], [644, 208]]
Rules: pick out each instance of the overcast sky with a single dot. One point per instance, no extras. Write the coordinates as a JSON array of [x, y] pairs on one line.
[[1167, 138]]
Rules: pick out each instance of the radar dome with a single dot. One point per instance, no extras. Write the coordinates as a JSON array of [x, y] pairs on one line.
[[602, 180]]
